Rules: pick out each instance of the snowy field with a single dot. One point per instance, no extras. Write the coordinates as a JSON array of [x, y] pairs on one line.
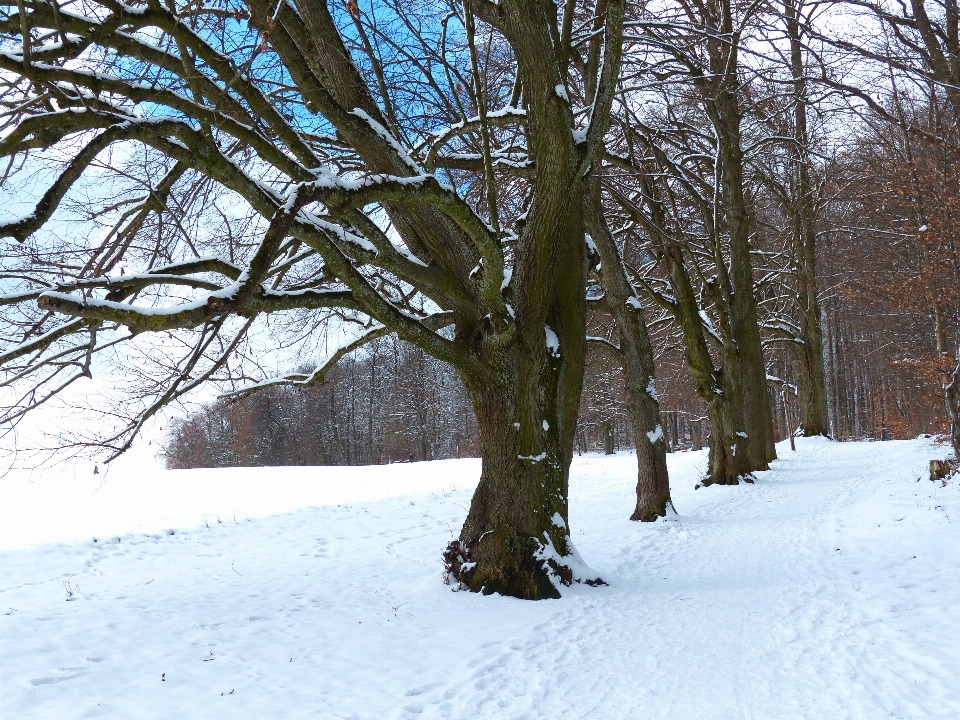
[[829, 589]]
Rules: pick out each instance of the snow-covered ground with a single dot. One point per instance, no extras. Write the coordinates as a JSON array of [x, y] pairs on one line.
[[829, 589]]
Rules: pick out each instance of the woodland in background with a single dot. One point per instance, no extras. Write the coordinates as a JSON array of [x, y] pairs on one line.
[[389, 404]]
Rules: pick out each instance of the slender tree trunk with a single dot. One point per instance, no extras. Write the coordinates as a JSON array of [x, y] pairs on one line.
[[787, 425], [813, 393], [951, 397], [333, 419], [938, 329], [844, 390], [653, 482]]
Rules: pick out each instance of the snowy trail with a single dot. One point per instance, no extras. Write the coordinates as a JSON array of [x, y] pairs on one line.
[[830, 588]]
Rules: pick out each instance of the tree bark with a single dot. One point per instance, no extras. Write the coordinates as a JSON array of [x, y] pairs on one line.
[[745, 371], [951, 397], [720, 388], [813, 383], [527, 376], [515, 539], [653, 481], [724, 402]]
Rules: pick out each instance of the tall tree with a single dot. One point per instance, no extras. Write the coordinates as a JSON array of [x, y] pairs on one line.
[[287, 116], [635, 354], [813, 388]]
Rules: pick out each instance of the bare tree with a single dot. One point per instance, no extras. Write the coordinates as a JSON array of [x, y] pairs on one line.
[[683, 191], [273, 166]]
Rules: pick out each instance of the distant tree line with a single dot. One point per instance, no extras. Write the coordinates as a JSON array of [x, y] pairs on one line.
[[389, 403]]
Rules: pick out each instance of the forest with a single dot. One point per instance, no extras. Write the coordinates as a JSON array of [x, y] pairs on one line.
[[378, 231]]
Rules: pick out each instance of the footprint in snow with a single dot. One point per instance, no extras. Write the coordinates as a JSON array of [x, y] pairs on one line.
[[63, 674]]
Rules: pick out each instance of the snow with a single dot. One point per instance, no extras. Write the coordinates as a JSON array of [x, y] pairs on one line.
[[656, 434], [338, 232], [547, 552], [827, 589], [533, 458], [652, 391], [505, 111], [553, 342], [388, 137]]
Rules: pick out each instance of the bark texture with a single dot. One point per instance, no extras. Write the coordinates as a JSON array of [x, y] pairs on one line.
[[526, 386], [812, 376], [636, 355]]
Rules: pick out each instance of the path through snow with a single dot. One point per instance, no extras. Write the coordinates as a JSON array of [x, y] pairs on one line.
[[829, 589]]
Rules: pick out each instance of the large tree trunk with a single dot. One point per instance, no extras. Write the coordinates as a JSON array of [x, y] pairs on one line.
[[526, 382], [516, 539], [745, 371], [653, 482], [724, 401], [812, 376]]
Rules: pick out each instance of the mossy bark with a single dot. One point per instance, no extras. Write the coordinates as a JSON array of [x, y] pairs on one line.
[[515, 539]]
